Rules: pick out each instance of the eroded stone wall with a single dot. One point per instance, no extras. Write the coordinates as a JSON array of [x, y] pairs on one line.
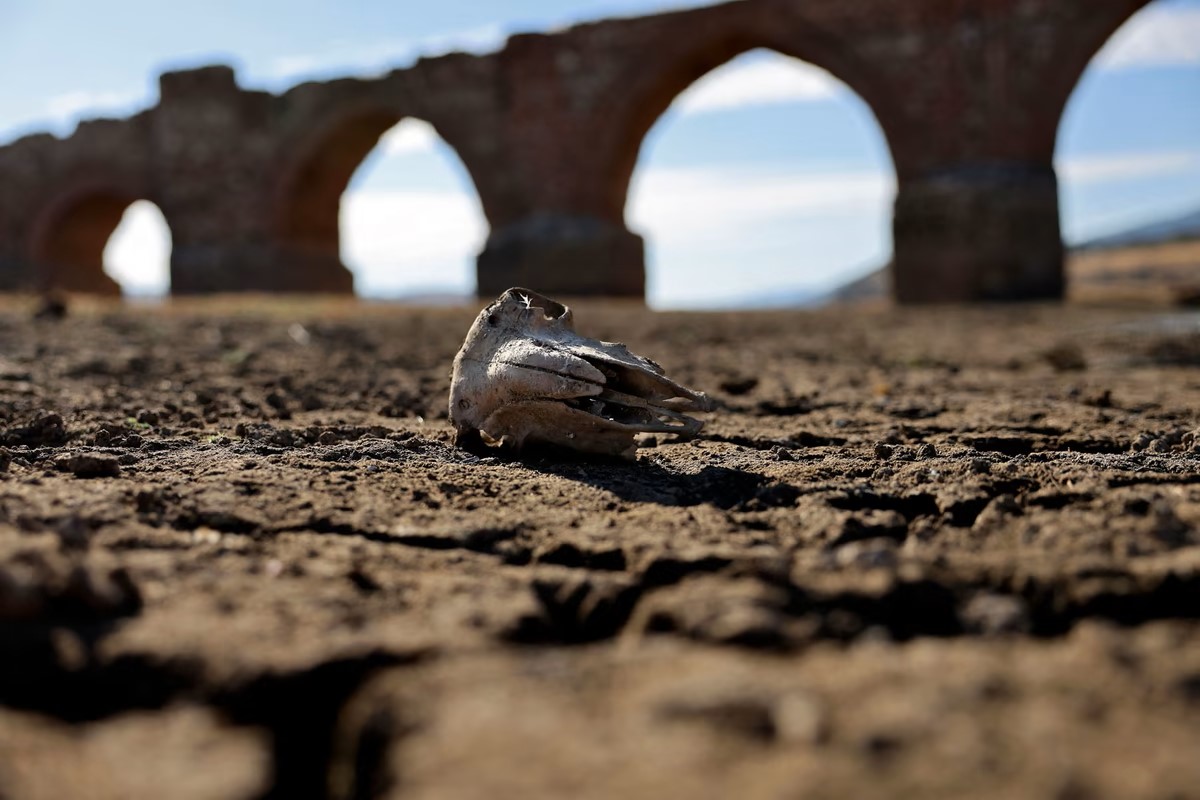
[[968, 94]]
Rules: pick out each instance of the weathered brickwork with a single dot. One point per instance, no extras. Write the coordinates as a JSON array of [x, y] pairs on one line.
[[967, 92]]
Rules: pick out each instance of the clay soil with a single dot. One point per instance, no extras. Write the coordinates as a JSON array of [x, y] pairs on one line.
[[931, 553]]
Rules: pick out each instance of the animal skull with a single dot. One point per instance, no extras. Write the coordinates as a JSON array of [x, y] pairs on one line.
[[524, 375]]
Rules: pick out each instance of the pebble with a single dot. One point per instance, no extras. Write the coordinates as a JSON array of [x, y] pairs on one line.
[[981, 466], [90, 465]]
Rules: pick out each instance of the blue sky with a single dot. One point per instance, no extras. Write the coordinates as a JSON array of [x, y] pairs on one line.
[[766, 177]]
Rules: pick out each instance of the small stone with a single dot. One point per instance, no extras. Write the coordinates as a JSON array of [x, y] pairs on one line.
[[877, 553], [998, 511], [893, 436], [1168, 527], [74, 533], [90, 465], [1142, 441], [739, 386], [800, 719], [992, 614], [299, 334], [70, 652], [45, 429], [749, 716], [206, 536], [51, 305], [150, 501], [1066, 357]]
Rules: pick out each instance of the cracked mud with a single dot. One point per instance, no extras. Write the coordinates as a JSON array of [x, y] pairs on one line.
[[933, 553]]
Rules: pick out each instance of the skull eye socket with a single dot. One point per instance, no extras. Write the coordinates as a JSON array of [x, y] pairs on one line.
[[493, 320]]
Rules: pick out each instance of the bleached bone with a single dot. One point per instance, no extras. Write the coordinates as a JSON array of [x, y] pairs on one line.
[[524, 375]]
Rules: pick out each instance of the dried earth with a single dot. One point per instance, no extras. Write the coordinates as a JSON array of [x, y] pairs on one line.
[[931, 553]]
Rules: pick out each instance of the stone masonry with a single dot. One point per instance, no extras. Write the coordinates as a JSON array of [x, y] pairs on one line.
[[968, 94]]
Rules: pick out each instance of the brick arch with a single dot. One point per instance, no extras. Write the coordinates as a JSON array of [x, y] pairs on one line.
[[68, 235], [652, 87], [1075, 53], [308, 197]]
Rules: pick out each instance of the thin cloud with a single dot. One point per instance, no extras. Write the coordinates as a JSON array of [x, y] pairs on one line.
[[398, 239], [770, 81], [618, 9], [1125, 166], [70, 104], [357, 58], [62, 112], [718, 235], [1158, 36], [717, 204]]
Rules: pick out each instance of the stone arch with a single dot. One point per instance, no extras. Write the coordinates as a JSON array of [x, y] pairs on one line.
[[1075, 53], [651, 88], [308, 199], [1093, 205], [312, 191], [138, 254], [846, 218], [68, 237]]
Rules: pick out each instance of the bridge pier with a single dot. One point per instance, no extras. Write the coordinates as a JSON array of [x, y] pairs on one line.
[[571, 256], [978, 233], [257, 267], [14, 275]]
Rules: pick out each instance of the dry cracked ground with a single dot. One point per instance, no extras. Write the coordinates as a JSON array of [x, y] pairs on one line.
[[931, 553]]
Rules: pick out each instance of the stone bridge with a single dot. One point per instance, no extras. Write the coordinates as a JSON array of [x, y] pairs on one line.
[[968, 94]]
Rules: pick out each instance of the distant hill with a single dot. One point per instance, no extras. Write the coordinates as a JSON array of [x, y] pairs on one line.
[[799, 297], [1185, 226], [425, 296], [1156, 260], [872, 286]]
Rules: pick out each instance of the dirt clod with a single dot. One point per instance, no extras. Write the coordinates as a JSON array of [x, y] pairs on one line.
[[90, 465]]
